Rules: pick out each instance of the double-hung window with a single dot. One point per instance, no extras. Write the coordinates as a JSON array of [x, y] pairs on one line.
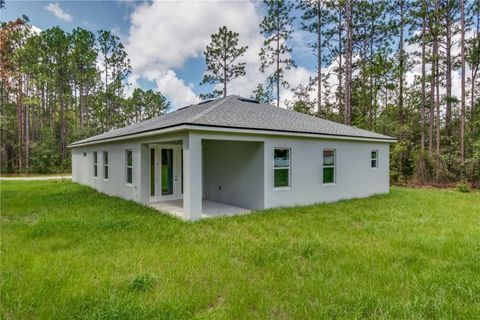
[[281, 168], [329, 166], [374, 158], [128, 166], [95, 164], [105, 165]]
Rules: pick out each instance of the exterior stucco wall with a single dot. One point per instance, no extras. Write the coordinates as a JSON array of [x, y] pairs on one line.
[[233, 172], [138, 190], [243, 165], [115, 185], [354, 176]]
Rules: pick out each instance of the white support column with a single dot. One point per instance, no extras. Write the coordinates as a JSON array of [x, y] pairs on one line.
[[192, 182], [143, 174]]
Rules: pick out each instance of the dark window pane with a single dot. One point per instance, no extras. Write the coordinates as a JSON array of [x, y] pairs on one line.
[[105, 157], [281, 177], [105, 172], [95, 158], [328, 157], [129, 158], [282, 157], [129, 175], [152, 172], [95, 170], [328, 175], [374, 154], [167, 171], [374, 163]]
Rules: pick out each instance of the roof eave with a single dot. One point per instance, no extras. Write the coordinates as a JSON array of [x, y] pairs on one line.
[[217, 128]]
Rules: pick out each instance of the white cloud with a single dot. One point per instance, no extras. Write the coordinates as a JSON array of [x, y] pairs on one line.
[[36, 30], [58, 12], [164, 35], [179, 93]]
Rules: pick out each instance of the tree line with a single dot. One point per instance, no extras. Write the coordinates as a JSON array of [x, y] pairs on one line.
[[391, 70], [372, 46], [58, 87]]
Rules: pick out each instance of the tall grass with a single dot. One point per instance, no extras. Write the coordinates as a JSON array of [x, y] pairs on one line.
[[70, 252]]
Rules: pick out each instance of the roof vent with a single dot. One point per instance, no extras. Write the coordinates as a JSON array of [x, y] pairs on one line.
[[205, 101], [184, 107], [248, 100]]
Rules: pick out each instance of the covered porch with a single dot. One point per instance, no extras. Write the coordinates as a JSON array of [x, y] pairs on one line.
[[200, 177], [210, 209]]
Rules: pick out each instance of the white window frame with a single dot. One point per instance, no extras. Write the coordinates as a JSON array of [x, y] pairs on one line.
[[128, 166], [374, 159], [334, 166], [288, 168], [105, 165], [95, 164]]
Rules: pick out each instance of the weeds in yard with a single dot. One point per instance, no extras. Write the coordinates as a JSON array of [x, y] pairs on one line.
[[142, 282], [70, 252]]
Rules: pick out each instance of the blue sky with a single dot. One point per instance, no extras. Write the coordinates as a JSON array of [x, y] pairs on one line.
[[165, 40]]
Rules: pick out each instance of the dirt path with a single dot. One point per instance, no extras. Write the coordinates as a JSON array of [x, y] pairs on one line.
[[36, 178]]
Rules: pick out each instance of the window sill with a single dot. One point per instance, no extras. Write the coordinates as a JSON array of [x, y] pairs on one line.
[[331, 184], [128, 184], [281, 189]]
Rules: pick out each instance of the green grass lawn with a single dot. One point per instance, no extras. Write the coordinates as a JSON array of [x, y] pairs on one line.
[[70, 252]]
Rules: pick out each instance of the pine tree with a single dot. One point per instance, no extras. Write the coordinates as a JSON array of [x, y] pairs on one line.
[[313, 20], [84, 69], [221, 56], [116, 67], [348, 63], [462, 99], [277, 27], [262, 94]]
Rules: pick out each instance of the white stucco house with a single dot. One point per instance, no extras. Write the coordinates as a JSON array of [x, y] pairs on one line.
[[231, 155]]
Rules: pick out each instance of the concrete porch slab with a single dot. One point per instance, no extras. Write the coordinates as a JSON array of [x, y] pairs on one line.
[[210, 209]]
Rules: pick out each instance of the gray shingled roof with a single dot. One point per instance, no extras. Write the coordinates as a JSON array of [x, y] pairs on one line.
[[240, 113]]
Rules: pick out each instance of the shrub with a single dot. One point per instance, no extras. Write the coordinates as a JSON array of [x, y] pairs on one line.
[[440, 170], [423, 172], [463, 187], [45, 155], [142, 282]]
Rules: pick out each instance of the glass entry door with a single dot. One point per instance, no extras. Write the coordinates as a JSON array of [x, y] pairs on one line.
[[165, 172]]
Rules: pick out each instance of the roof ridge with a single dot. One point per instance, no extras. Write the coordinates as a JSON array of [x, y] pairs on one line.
[[209, 109]]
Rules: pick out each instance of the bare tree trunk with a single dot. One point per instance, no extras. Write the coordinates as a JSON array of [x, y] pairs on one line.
[[27, 130], [432, 102], [319, 57], [224, 75], [448, 82], [370, 98], [278, 70], [341, 106], [62, 125], [434, 80], [462, 108], [348, 57], [81, 104], [472, 93], [401, 62], [422, 105], [437, 107], [20, 122]]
